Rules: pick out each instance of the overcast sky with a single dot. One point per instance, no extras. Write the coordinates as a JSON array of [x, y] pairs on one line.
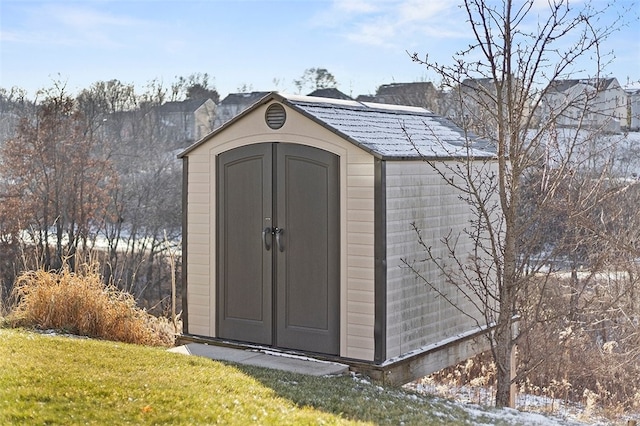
[[262, 44]]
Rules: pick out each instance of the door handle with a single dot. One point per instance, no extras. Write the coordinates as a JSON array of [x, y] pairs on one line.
[[279, 232], [267, 231]]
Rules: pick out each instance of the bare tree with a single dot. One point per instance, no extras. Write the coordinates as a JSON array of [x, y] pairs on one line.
[[316, 78], [195, 86], [51, 168], [500, 82]]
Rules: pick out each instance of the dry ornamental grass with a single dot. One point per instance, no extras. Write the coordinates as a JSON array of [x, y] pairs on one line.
[[80, 303]]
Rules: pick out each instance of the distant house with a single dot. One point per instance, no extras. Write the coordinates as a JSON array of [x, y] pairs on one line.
[[298, 213], [366, 98], [589, 103], [8, 125], [477, 107], [331, 93], [188, 120], [11, 112], [418, 94], [633, 109], [234, 104]]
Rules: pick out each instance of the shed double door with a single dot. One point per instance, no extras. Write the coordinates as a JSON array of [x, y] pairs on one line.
[[278, 246]]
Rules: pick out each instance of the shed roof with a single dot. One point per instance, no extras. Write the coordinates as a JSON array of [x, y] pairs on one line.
[[386, 131]]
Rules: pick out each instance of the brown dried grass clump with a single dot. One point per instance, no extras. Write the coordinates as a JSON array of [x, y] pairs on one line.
[[80, 303]]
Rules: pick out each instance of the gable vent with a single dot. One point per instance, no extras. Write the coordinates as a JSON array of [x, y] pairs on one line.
[[275, 116]]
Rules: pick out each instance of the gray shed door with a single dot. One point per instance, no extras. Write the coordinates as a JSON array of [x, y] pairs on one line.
[[278, 246]]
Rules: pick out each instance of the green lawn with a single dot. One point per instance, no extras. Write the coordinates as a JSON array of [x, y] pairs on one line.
[[55, 380]]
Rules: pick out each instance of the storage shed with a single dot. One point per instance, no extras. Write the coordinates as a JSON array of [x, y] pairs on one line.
[[297, 214]]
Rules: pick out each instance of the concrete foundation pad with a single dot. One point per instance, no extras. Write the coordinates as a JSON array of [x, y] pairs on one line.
[[302, 365]]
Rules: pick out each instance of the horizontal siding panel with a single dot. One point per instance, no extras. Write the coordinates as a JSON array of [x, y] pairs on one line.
[[198, 327], [360, 307], [366, 181], [410, 168], [197, 218], [196, 309], [198, 259], [360, 192], [198, 300], [359, 227], [360, 169], [361, 342], [360, 262], [361, 296], [198, 169], [199, 238], [198, 158], [356, 156], [361, 319], [360, 204], [360, 238], [359, 353], [361, 284], [198, 248], [363, 273], [360, 250], [360, 330], [395, 182], [195, 269], [199, 320], [198, 207], [360, 215], [199, 285], [197, 188], [198, 177], [202, 198]]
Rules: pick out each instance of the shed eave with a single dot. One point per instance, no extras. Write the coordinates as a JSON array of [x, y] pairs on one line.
[[489, 157]]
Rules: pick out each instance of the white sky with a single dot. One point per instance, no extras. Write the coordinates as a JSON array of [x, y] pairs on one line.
[[263, 44]]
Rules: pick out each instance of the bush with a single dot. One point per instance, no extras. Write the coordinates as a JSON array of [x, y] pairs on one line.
[[80, 303]]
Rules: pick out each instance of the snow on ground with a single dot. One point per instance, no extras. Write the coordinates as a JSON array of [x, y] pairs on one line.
[[532, 409]]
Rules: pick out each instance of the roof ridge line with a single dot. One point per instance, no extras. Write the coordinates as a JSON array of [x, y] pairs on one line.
[[368, 106]]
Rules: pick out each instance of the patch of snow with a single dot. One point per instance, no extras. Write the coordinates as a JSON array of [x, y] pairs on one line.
[[532, 409]]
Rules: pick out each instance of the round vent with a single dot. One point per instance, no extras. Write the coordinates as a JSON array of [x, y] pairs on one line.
[[275, 116]]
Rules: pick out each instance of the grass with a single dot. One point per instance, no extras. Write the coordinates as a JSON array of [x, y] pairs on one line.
[[56, 380]]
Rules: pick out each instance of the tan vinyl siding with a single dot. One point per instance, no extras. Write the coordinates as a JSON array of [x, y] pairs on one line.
[[416, 315], [360, 257], [198, 217], [356, 219]]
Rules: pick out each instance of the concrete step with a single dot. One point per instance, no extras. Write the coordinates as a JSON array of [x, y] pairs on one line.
[[262, 358]]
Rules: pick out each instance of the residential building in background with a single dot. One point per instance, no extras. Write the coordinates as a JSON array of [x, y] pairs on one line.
[[234, 104], [589, 103], [190, 120], [633, 109]]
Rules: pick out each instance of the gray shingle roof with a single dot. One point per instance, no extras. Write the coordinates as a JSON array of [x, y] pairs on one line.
[[392, 131], [386, 131]]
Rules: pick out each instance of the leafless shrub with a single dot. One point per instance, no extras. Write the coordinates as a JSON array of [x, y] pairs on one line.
[[589, 359], [594, 354]]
